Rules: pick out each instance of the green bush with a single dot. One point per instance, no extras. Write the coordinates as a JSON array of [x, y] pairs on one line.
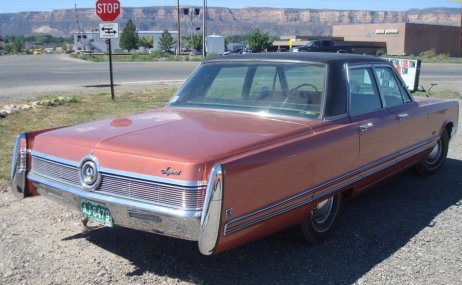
[[428, 53], [381, 52]]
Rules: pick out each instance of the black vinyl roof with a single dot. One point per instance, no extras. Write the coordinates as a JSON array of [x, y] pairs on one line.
[[321, 57]]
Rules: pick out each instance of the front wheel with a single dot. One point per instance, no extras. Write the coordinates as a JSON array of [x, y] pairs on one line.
[[316, 227], [435, 160]]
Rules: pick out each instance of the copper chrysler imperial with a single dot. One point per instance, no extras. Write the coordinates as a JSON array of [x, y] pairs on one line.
[[248, 146]]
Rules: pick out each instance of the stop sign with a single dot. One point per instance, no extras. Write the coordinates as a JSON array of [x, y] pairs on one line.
[[108, 10]]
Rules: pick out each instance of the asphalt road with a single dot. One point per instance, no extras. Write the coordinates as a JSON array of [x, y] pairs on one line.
[[28, 76]]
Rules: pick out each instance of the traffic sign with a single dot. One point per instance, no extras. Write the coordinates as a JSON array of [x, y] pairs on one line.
[[108, 10], [109, 31]]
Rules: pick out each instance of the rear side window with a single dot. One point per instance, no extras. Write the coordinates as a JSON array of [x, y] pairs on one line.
[[364, 96], [390, 87]]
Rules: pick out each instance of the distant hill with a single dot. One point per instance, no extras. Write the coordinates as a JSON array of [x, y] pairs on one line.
[[223, 21]]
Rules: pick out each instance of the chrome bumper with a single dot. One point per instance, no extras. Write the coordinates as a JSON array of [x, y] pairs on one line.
[[125, 212], [197, 225]]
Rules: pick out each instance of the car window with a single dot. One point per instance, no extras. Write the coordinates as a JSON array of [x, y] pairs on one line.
[[389, 86], [290, 89], [364, 96], [228, 83], [265, 81]]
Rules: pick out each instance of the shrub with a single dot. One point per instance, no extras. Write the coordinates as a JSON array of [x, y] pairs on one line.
[[381, 52]]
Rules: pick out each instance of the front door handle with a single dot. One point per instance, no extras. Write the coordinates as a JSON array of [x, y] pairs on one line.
[[365, 127], [402, 116]]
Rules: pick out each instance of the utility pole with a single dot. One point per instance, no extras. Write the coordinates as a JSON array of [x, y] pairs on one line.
[[178, 20], [204, 27], [460, 33]]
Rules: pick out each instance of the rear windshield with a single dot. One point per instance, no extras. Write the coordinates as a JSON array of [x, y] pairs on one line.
[[290, 89]]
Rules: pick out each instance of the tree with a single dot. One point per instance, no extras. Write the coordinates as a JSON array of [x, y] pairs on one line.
[[166, 41], [147, 42], [18, 45], [129, 39], [259, 40], [196, 42]]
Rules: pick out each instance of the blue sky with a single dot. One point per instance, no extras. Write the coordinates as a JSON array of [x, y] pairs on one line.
[[9, 6]]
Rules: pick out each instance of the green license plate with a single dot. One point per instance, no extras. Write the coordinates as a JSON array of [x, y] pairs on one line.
[[97, 212]]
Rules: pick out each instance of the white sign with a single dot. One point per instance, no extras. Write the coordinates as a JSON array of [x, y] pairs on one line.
[[409, 69], [387, 32], [109, 31]]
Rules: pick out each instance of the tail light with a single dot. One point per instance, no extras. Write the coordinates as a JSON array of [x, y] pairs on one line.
[[19, 166], [211, 212]]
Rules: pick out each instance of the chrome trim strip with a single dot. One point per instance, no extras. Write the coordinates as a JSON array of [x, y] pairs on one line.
[[211, 212], [290, 199], [399, 153], [389, 161], [123, 173], [40, 182]]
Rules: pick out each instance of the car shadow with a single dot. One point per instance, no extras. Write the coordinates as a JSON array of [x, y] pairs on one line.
[[370, 229]]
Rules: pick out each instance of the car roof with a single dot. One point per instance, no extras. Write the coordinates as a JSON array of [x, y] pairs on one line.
[[319, 57]]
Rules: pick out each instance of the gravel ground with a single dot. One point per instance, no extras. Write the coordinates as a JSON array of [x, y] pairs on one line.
[[406, 231]]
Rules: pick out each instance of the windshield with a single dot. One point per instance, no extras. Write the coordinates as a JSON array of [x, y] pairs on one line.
[[290, 89], [310, 44]]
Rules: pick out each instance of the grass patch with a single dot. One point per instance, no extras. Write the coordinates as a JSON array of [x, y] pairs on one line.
[[136, 57], [442, 94], [429, 56], [81, 109]]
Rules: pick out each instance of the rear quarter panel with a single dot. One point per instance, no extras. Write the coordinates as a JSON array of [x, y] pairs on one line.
[[275, 188], [440, 113]]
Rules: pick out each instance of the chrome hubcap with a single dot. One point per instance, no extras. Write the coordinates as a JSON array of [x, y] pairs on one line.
[[321, 213], [435, 154]]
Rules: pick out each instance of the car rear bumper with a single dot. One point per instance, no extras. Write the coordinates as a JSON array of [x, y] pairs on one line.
[[125, 212]]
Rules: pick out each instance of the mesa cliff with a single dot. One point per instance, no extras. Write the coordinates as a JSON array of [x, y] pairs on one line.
[[222, 20]]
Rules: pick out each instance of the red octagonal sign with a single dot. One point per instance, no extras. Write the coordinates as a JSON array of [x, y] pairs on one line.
[[108, 10]]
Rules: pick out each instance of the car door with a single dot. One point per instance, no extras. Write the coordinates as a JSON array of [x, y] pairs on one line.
[[378, 128], [411, 117]]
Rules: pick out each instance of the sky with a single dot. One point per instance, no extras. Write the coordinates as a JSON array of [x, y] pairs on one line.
[[12, 6]]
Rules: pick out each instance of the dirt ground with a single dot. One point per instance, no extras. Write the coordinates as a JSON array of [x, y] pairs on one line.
[[406, 231]]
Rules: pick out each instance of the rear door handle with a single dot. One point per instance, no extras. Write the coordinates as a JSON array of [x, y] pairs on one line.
[[365, 127], [402, 116]]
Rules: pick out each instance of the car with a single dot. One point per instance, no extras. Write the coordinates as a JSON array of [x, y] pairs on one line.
[[249, 145]]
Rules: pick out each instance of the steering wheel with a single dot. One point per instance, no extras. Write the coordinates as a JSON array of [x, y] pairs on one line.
[[303, 94], [302, 85]]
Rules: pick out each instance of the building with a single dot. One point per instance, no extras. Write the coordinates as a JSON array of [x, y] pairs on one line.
[[215, 44], [89, 41], [405, 38]]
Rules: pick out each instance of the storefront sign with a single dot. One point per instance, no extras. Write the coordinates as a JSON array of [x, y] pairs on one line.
[[387, 32]]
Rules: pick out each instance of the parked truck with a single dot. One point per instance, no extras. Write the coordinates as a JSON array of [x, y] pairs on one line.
[[323, 46]]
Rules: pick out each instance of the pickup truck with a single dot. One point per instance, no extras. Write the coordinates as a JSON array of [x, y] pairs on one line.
[[323, 46]]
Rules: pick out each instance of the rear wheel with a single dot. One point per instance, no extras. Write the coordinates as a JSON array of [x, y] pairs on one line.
[[435, 160], [317, 225]]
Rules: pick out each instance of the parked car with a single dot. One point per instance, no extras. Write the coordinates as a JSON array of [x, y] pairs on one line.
[[248, 146], [323, 46]]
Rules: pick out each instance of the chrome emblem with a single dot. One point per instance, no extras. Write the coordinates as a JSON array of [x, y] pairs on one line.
[[89, 175], [169, 172]]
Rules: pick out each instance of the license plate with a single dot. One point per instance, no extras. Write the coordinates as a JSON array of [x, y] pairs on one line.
[[97, 212]]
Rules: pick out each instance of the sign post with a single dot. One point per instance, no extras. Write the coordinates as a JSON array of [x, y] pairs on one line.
[[108, 11]]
